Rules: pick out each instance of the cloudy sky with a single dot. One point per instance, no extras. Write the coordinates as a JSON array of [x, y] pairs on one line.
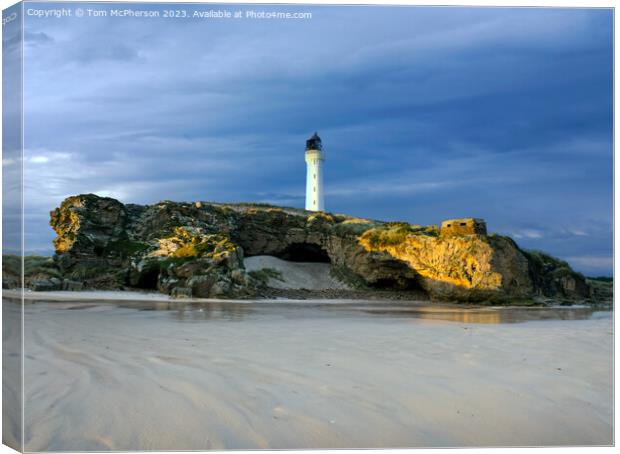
[[425, 114]]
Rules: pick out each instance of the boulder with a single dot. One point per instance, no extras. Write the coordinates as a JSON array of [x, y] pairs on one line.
[[181, 292], [44, 286], [72, 286]]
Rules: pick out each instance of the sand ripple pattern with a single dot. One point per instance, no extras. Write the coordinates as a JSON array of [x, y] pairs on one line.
[[108, 377]]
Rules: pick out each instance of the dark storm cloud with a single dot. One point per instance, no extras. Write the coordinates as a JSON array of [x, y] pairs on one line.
[[426, 113]]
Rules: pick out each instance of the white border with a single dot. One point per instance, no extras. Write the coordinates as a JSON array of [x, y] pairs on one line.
[[505, 3]]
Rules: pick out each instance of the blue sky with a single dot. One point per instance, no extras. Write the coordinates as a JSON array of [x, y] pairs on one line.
[[425, 114]]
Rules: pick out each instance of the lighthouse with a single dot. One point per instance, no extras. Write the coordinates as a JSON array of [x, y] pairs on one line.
[[314, 174]]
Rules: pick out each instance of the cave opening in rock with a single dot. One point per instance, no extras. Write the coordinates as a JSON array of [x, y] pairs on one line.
[[148, 279], [305, 252]]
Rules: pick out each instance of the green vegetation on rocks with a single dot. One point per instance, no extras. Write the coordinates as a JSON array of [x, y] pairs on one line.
[[197, 249], [40, 273], [602, 289], [554, 277], [193, 243], [264, 274], [35, 268], [126, 247], [395, 233]]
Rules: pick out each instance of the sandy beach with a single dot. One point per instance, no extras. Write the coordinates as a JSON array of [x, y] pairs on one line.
[[123, 375]]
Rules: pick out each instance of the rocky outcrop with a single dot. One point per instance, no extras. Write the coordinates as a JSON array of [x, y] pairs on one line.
[[197, 249], [40, 274], [463, 267]]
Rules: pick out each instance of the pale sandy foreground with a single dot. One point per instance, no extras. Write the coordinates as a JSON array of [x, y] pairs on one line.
[[119, 376]]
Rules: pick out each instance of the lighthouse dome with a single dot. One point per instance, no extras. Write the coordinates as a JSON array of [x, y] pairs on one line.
[[314, 143]]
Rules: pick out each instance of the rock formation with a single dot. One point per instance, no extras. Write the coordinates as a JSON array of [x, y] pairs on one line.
[[198, 248]]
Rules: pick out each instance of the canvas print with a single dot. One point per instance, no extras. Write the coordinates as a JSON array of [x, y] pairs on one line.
[[272, 226]]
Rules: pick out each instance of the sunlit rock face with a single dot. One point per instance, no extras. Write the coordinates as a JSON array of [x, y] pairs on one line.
[[463, 267], [197, 249]]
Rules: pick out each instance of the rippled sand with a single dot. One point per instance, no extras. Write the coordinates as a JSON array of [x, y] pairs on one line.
[[113, 376]]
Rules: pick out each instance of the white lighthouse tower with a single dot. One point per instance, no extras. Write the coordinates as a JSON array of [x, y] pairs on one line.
[[314, 175]]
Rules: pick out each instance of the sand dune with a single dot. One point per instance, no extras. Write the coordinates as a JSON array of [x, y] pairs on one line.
[[296, 275]]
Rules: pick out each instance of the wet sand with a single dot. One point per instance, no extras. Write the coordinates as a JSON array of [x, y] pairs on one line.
[[124, 376]]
